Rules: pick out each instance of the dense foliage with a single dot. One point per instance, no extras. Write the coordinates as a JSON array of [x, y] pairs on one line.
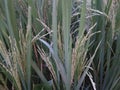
[[59, 44]]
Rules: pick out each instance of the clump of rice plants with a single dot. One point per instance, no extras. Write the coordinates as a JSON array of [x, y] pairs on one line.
[[59, 44]]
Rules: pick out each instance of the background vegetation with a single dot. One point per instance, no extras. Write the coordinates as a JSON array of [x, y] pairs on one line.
[[59, 44]]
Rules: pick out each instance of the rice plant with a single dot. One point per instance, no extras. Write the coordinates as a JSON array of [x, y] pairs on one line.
[[59, 44], [105, 58]]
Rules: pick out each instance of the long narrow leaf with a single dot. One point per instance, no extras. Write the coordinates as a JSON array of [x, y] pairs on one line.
[[29, 49]]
